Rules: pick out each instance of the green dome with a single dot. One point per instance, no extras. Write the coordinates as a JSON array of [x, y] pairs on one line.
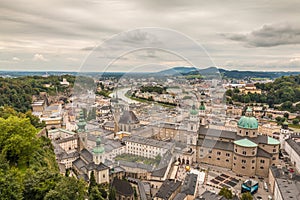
[[202, 106], [98, 149], [248, 122], [194, 111]]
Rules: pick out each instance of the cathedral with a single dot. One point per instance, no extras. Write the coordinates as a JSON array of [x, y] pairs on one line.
[[244, 151]]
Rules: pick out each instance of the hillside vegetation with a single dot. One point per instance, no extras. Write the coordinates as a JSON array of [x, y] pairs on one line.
[[283, 92], [28, 169]]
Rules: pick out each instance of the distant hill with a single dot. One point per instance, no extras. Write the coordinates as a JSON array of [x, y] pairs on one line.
[[236, 74]]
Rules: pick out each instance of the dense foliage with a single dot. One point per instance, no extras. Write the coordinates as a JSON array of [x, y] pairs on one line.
[[28, 169], [17, 92], [157, 89], [284, 92]]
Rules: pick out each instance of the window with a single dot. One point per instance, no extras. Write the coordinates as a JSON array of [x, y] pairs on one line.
[[243, 167], [209, 151], [209, 156], [234, 164], [253, 133], [253, 152], [247, 133], [274, 150], [218, 153], [244, 153], [273, 158], [227, 160], [234, 158], [261, 167], [218, 158], [240, 131], [253, 161], [243, 161], [201, 150], [262, 161], [227, 154], [103, 175], [252, 167], [235, 150]]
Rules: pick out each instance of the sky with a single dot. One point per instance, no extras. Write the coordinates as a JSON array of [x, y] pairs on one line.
[[98, 35]]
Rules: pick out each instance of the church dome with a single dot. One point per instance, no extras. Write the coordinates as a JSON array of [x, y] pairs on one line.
[[99, 149], [248, 122], [193, 110]]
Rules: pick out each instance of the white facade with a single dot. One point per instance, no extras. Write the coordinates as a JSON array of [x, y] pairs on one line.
[[293, 154]]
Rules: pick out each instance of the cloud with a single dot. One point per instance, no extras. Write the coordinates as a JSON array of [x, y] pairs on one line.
[[268, 35], [39, 57]]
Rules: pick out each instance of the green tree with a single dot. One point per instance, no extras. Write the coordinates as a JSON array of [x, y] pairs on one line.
[[95, 194], [68, 188], [112, 194], [286, 115], [295, 121], [225, 192], [17, 139], [93, 182], [38, 184], [246, 196], [10, 181]]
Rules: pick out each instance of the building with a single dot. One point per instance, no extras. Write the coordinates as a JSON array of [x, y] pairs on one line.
[[292, 148], [146, 147], [92, 161], [245, 152], [168, 190], [284, 185], [250, 88], [124, 190], [128, 121], [190, 186]]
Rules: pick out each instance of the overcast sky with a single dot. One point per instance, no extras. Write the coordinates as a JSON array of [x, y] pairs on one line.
[[65, 34]]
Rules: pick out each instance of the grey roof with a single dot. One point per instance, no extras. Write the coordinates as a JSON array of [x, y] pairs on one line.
[[98, 167], [289, 189], [295, 146], [217, 133], [214, 144], [86, 155], [147, 141], [180, 196], [289, 186], [208, 195], [263, 153], [167, 189], [67, 139], [66, 155], [128, 117], [122, 187], [189, 184], [79, 163], [159, 172]]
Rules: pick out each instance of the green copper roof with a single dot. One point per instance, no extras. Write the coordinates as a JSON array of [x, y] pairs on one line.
[[248, 122], [273, 141], [98, 149], [202, 106], [193, 111], [285, 123], [245, 143], [249, 109]]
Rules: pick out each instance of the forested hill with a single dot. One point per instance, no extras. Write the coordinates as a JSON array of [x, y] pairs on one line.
[[18, 92], [28, 169], [284, 92]]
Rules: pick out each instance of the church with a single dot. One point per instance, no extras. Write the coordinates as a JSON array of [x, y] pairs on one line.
[[244, 151]]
